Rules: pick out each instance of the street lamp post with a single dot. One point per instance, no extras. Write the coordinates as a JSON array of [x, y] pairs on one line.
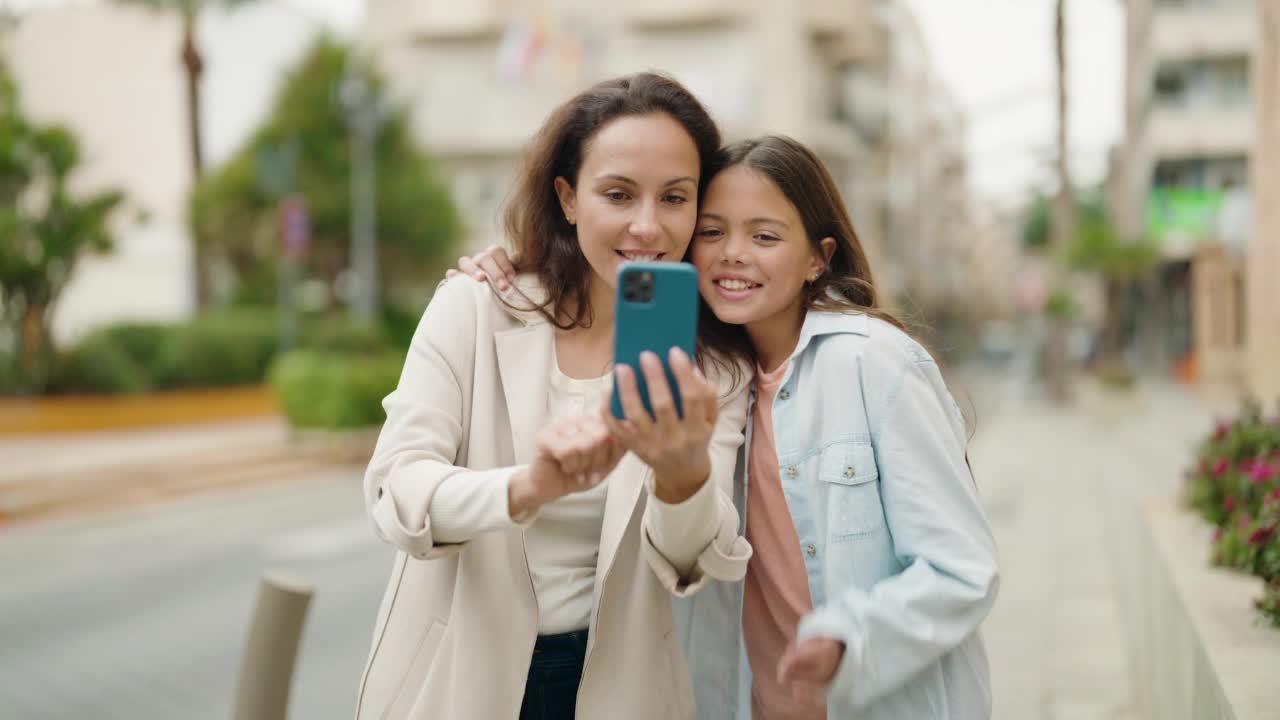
[[364, 116]]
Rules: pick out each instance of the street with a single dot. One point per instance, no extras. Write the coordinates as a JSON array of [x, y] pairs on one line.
[[143, 614]]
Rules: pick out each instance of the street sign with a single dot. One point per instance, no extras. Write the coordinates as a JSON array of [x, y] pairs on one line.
[[295, 226]]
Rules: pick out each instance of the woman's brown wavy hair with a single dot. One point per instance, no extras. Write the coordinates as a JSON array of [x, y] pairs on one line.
[[543, 241]]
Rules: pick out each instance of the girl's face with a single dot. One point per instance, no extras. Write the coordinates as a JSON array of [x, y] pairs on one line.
[[751, 250], [636, 194]]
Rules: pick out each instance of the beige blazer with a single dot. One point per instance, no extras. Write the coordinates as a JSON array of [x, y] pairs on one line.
[[456, 628]]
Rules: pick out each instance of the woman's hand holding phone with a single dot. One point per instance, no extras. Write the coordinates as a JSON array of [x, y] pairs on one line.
[[674, 446], [572, 454]]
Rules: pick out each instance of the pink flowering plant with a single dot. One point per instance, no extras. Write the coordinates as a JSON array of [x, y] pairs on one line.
[[1235, 485]]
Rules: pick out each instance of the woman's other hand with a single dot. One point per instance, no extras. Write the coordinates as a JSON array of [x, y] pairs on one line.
[[573, 454]]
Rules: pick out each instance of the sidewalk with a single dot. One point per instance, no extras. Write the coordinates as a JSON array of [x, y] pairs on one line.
[[28, 456], [1061, 488], [42, 475]]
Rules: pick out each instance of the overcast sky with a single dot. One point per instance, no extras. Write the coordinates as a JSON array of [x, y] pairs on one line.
[[996, 56]]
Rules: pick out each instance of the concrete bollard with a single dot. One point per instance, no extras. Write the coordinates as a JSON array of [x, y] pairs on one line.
[[266, 670]]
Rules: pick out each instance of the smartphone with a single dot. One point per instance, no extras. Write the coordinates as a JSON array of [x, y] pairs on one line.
[[656, 309]]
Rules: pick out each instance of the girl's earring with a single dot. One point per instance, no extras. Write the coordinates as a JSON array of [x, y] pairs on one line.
[[570, 219]]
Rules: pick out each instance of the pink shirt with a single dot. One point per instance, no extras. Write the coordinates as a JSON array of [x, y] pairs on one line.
[[776, 595]]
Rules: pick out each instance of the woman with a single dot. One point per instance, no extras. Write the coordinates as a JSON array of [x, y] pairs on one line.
[[535, 559], [873, 563]]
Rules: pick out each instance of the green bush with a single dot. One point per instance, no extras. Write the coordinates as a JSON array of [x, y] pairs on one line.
[[400, 324], [235, 346], [219, 349], [1235, 485], [11, 380], [334, 390], [99, 365], [340, 334], [232, 347], [115, 359], [143, 343]]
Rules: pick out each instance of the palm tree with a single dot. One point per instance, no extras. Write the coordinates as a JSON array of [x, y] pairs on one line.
[[193, 67], [1064, 223], [192, 64]]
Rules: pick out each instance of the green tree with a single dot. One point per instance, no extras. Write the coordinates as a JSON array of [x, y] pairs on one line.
[[1118, 263], [1097, 248], [234, 211], [44, 229], [1063, 225], [192, 59]]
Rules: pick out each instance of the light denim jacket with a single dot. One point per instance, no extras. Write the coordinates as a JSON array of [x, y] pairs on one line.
[[901, 562]]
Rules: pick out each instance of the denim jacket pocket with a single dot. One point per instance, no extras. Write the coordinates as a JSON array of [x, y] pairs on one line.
[[848, 474]]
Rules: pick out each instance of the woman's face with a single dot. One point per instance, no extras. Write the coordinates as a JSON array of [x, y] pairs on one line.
[[751, 249], [636, 194]]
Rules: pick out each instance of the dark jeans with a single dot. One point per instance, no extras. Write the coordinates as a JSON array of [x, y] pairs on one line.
[[551, 692]]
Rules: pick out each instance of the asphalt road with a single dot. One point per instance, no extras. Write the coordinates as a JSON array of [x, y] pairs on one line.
[[144, 614]]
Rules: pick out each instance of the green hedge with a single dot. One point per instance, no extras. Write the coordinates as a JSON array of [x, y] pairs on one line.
[[330, 390], [224, 348], [227, 347], [1235, 485], [11, 381], [99, 364]]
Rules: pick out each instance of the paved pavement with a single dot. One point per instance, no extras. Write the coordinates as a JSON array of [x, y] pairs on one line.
[[142, 614], [64, 453], [1061, 489]]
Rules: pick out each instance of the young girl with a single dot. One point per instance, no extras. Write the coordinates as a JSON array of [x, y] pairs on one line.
[[873, 563], [527, 585]]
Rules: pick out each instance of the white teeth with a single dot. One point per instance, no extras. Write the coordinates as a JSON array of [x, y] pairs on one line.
[[640, 257], [730, 284]]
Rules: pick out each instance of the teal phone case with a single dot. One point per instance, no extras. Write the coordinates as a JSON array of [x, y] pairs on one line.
[[669, 319]]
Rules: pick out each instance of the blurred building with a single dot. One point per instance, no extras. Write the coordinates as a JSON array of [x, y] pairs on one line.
[[936, 253], [851, 78], [1190, 144], [111, 73], [1262, 300]]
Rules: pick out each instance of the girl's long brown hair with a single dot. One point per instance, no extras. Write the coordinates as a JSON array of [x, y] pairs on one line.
[[846, 284]]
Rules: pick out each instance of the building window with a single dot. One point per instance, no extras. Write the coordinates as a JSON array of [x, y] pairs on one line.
[[1171, 85], [1216, 82], [1202, 173], [1231, 79]]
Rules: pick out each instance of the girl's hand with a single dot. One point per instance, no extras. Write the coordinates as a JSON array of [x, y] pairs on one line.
[[806, 668], [492, 263], [573, 454], [675, 447]]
